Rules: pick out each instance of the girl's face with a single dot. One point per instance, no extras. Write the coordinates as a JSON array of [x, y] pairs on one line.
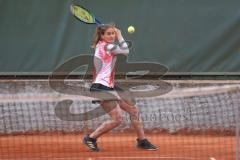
[[109, 35]]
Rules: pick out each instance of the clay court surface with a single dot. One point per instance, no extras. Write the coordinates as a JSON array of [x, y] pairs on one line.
[[118, 146]]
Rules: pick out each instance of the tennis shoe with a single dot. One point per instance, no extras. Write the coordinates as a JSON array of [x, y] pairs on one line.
[[91, 143], [146, 145]]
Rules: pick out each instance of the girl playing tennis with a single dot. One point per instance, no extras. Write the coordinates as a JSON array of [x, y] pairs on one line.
[[103, 80]]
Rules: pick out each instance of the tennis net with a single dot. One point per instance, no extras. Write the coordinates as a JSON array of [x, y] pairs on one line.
[[187, 123]]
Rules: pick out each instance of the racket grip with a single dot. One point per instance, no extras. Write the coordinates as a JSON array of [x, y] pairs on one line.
[[98, 22]]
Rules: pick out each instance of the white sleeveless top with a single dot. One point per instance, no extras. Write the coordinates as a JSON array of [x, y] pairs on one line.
[[104, 62]]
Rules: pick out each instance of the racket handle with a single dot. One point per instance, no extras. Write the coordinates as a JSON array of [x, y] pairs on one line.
[[98, 22]]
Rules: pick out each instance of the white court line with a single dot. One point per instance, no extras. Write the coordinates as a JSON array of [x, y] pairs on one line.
[[187, 158], [102, 158]]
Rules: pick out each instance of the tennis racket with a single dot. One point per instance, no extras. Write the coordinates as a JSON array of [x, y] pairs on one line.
[[84, 15]]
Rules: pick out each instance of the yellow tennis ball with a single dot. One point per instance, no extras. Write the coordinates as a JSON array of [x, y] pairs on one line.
[[131, 29]]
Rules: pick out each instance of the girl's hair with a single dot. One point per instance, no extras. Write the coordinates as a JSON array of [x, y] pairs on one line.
[[100, 30]]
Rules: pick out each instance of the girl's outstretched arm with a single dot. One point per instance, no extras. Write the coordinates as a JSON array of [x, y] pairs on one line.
[[116, 49]]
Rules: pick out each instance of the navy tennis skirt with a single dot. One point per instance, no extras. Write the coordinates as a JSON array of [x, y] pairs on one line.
[[97, 87]]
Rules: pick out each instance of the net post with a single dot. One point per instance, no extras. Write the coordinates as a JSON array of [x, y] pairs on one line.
[[238, 131]]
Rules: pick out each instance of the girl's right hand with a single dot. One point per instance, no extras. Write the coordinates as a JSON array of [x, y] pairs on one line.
[[118, 33]]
